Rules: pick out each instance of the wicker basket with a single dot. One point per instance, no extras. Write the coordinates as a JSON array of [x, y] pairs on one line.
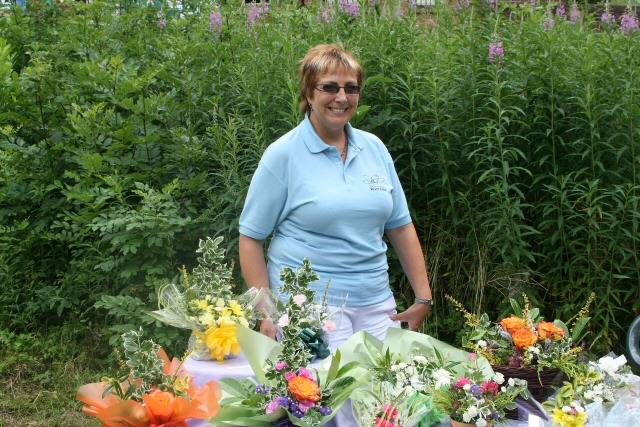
[[540, 386]]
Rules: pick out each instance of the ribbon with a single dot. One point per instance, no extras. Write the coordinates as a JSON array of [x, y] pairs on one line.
[[314, 342]]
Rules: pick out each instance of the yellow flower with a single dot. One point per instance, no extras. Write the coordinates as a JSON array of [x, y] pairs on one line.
[[236, 308], [564, 419], [219, 304], [222, 340], [202, 304], [207, 318]]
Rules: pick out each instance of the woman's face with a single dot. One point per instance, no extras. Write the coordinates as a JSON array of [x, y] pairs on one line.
[[330, 112]]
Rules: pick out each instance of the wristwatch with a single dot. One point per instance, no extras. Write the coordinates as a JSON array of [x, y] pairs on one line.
[[424, 301]]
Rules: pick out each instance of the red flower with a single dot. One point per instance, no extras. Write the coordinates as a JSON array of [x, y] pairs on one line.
[[491, 387]]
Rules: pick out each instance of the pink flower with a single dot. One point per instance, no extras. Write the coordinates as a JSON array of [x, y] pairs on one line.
[[329, 326], [496, 51], [490, 387], [289, 376], [283, 321], [390, 412], [281, 366], [473, 356], [305, 405], [300, 299], [272, 407], [307, 373], [461, 382]]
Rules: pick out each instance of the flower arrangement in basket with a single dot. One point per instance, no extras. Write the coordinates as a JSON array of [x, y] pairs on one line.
[[598, 385], [152, 391], [523, 345], [204, 303], [472, 399], [289, 391]]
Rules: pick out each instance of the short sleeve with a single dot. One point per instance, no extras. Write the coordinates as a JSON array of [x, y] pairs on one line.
[[264, 204], [400, 214]]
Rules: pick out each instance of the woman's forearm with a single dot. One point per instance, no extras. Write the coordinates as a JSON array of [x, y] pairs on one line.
[[252, 263], [406, 244]]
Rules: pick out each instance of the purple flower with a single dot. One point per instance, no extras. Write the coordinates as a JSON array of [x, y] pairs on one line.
[[462, 4], [476, 390], [263, 389], [255, 13], [561, 10], [295, 411], [493, 4], [496, 51], [548, 23], [628, 23], [215, 21], [325, 410], [162, 22], [284, 402], [325, 16], [350, 7], [281, 366], [607, 18], [575, 15], [413, 4]]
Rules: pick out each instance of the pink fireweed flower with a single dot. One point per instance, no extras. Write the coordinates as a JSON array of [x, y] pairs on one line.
[[325, 16], [575, 15], [215, 21], [607, 18], [496, 51], [548, 24], [300, 299], [561, 10], [461, 382], [307, 373], [350, 7], [281, 366], [289, 376], [255, 13], [329, 326], [628, 23]]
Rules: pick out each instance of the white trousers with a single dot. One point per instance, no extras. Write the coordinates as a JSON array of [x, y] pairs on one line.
[[373, 319]]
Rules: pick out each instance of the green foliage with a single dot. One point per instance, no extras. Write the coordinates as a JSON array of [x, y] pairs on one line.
[[122, 142]]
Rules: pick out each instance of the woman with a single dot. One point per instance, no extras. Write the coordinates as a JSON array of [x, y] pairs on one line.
[[328, 192]]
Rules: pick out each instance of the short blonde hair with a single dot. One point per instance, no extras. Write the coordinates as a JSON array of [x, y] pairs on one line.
[[322, 59]]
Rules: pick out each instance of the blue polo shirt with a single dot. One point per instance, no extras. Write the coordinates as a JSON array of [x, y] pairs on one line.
[[333, 213]]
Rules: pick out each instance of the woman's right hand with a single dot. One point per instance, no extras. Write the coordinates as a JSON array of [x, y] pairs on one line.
[[268, 328]]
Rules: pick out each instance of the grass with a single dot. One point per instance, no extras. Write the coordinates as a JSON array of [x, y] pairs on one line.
[[38, 382]]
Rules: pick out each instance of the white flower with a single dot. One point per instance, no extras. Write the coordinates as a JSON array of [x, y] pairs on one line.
[[466, 387], [420, 359], [207, 318], [511, 382], [533, 349], [299, 299], [472, 412], [482, 344], [329, 326], [466, 417], [566, 409], [481, 422], [442, 377], [610, 365], [498, 377]]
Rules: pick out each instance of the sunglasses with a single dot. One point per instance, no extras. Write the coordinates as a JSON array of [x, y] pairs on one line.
[[349, 89]]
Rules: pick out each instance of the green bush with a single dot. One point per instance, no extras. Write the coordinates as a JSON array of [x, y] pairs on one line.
[[123, 141]]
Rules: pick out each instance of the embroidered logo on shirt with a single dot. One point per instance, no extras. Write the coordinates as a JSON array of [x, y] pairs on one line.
[[376, 182]]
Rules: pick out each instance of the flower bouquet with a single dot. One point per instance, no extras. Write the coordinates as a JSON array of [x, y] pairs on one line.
[[472, 399], [523, 345], [152, 391], [402, 379], [204, 303], [592, 396], [287, 391]]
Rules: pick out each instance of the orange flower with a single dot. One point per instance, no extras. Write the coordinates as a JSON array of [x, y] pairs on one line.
[[160, 405], [510, 324], [549, 330], [304, 388], [524, 338]]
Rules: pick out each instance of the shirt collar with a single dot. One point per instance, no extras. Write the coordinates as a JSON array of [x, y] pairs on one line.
[[315, 144]]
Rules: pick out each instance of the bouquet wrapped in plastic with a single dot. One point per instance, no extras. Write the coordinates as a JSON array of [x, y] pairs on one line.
[[152, 392], [205, 304]]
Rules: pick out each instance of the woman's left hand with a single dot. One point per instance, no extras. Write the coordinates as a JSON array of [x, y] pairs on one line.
[[413, 315]]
